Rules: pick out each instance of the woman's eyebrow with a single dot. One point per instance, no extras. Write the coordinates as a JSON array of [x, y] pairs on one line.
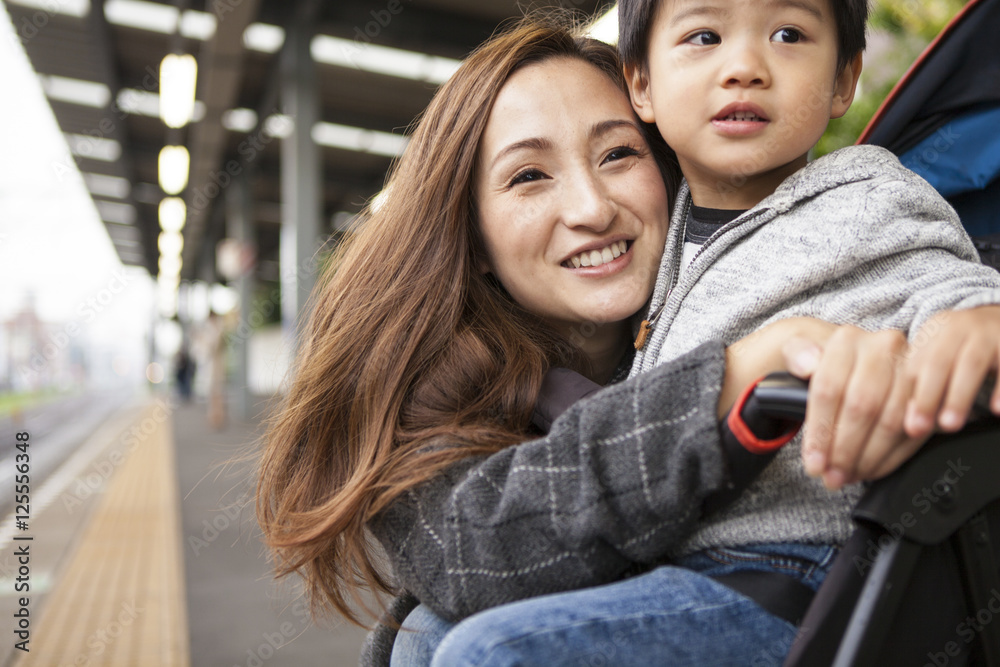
[[606, 126], [532, 143]]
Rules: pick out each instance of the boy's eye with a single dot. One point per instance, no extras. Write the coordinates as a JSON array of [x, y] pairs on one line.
[[620, 153], [704, 38], [787, 35], [527, 176]]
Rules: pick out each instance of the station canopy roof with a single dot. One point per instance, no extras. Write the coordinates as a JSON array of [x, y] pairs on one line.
[[378, 64]]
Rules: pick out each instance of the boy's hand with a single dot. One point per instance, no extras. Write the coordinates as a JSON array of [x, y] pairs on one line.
[[949, 359], [858, 393]]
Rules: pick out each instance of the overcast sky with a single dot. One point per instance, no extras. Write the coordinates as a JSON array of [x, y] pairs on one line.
[[52, 242]]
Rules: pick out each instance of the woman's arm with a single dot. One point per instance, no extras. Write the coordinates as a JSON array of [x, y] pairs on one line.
[[619, 479]]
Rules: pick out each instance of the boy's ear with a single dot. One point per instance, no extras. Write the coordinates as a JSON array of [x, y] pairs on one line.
[[638, 91], [845, 86]]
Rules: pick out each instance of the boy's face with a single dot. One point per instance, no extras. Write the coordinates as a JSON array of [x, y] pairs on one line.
[[742, 89]]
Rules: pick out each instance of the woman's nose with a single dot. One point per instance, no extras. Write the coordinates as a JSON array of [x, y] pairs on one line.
[[586, 203], [746, 65]]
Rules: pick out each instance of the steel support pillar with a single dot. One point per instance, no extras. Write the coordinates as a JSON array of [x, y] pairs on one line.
[[239, 226], [300, 179]]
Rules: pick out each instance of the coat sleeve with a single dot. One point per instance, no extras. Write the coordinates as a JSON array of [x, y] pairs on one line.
[[906, 253], [619, 479]]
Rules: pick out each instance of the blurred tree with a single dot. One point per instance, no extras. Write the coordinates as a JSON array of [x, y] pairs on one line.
[[898, 31]]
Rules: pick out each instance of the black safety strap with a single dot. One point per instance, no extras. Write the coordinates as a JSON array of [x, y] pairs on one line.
[[779, 594]]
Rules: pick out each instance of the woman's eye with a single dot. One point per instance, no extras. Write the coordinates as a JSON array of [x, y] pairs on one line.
[[787, 35], [704, 38], [621, 152], [527, 176]]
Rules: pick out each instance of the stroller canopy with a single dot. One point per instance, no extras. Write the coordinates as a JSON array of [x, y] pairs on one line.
[[943, 121]]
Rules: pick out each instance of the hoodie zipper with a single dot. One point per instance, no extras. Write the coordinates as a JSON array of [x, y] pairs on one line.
[[648, 324]]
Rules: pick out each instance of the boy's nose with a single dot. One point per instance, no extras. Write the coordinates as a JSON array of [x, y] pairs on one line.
[[746, 66], [585, 203]]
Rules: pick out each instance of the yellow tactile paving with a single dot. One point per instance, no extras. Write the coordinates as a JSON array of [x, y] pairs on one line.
[[119, 601]]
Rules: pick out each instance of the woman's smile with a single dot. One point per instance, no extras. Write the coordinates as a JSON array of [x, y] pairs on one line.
[[599, 257], [571, 205]]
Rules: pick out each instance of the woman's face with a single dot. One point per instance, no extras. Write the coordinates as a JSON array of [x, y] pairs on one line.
[[571, 204]]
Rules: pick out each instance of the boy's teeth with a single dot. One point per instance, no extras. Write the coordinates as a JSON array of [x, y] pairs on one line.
[[599, 257], [743, 115]]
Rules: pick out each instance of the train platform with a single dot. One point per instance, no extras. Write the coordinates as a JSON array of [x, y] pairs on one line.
[[141, 549]]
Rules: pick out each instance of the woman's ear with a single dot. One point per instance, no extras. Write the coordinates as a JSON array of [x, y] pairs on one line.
[[638, 91], [845, 86]]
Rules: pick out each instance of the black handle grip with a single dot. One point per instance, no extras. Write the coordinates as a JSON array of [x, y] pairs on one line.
[[776, 405], [778, 396]]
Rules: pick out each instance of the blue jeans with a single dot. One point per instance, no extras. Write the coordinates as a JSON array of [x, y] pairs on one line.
[[672, 615]]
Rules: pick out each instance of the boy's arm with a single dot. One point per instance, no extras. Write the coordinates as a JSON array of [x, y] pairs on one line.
[[908, 245]]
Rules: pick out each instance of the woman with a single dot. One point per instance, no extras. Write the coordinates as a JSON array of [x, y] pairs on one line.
[[505, 248]]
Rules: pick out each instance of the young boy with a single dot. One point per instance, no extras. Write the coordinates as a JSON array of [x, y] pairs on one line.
[[742, 90]]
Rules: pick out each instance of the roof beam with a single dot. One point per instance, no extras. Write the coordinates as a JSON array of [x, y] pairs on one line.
[[220, 62]]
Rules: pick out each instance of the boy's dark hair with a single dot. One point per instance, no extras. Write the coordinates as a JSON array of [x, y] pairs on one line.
[[635, 20]]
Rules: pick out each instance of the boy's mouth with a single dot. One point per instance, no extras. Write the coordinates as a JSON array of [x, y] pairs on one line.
[[743, 115], [742, 112]]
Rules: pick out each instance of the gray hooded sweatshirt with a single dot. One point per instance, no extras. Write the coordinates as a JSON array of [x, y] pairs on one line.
[[851, 238]]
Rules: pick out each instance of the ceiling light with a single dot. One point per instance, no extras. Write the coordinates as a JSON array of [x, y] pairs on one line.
[[605, 28], [107, 186], [116, 212], [171, 265], [157, 17], [151, 16], [239, 120], [144, 103], [94, 148], [76, 91], [279, 125], [359, 139], [197, 25], [382, 59], [263, 37], [173, 213], [178, 80], [139, 102], [170, 243], [77, 8], [174, 166]]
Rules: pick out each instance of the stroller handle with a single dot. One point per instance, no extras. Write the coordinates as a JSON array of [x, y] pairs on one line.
[[768, 413], [777, 403], [778, 396]]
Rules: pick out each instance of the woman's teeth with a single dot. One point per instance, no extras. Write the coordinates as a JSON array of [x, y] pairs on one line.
[[599, 257]]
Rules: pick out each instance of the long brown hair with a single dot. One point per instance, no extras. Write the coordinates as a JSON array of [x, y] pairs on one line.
[[413, 358]]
